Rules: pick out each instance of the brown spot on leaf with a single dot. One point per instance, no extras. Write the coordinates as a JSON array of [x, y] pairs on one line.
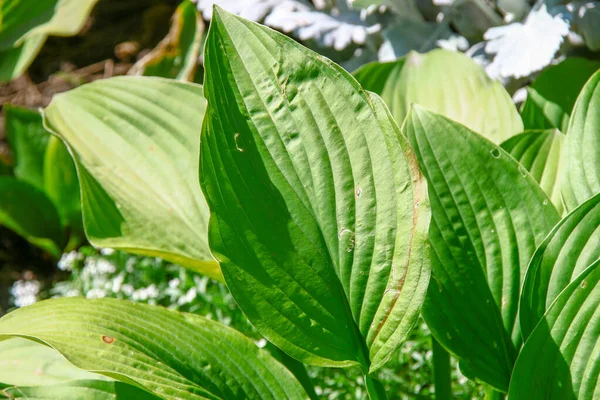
[[108, 339]]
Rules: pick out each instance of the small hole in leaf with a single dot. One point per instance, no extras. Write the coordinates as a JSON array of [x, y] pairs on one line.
[[583, 284], [108, 339]]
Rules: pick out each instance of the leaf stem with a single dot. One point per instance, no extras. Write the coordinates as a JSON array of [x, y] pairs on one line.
[[441, 371]]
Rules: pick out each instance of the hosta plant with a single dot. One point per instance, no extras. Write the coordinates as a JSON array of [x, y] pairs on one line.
[[334, 219]]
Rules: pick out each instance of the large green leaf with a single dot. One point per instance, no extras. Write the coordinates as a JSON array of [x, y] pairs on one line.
[[448, 83], [136, 142], [488, 216], [27, 363], [28, 141], [319, 212], [571, 247], [81, 389], [581, 165], [540, 152], [30, 213], [171, 354], [552, 96], [561, 358], [22, 19], [176, 56]]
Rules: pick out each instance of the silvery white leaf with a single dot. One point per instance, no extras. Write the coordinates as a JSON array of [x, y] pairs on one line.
[[472, 18], [523, 48], [254, 10], [410, 35], [586, 15], [337, 31]]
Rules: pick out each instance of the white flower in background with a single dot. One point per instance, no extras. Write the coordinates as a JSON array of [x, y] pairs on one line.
[[94, 267], [523, 48], [188, 297], [174, 283], [339, 29], [68, 260], [107, 251], [25, 292], [127, 289], [117, 283], [261, 343], [254, 10], [147, 293], [95, 294]]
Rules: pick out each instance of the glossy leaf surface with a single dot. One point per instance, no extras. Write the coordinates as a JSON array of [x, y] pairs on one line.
[[170, 354], [319, 213], [560, 360], [136, 142], [488, 216], [540, 152], [571, 247], [448, 83], [581, 178]]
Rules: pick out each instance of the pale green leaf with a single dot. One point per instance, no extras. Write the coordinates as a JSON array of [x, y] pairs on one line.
[[581, 165], [81, 389], [136, 141], [319, 212], [561, 358], [24, 362], [171, 354], [176, 56], [540, 152], [446, 82], [488, 217], [571, 247], [30, 213]]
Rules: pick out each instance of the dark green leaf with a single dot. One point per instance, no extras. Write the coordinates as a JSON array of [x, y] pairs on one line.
[[488, 216], [319, 213], [28, 141], [552, 96], [572, 246], [28, 211], [561, 358], [61, 184]]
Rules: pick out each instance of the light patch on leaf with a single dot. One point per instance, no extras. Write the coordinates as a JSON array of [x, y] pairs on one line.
[[523, 48]]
